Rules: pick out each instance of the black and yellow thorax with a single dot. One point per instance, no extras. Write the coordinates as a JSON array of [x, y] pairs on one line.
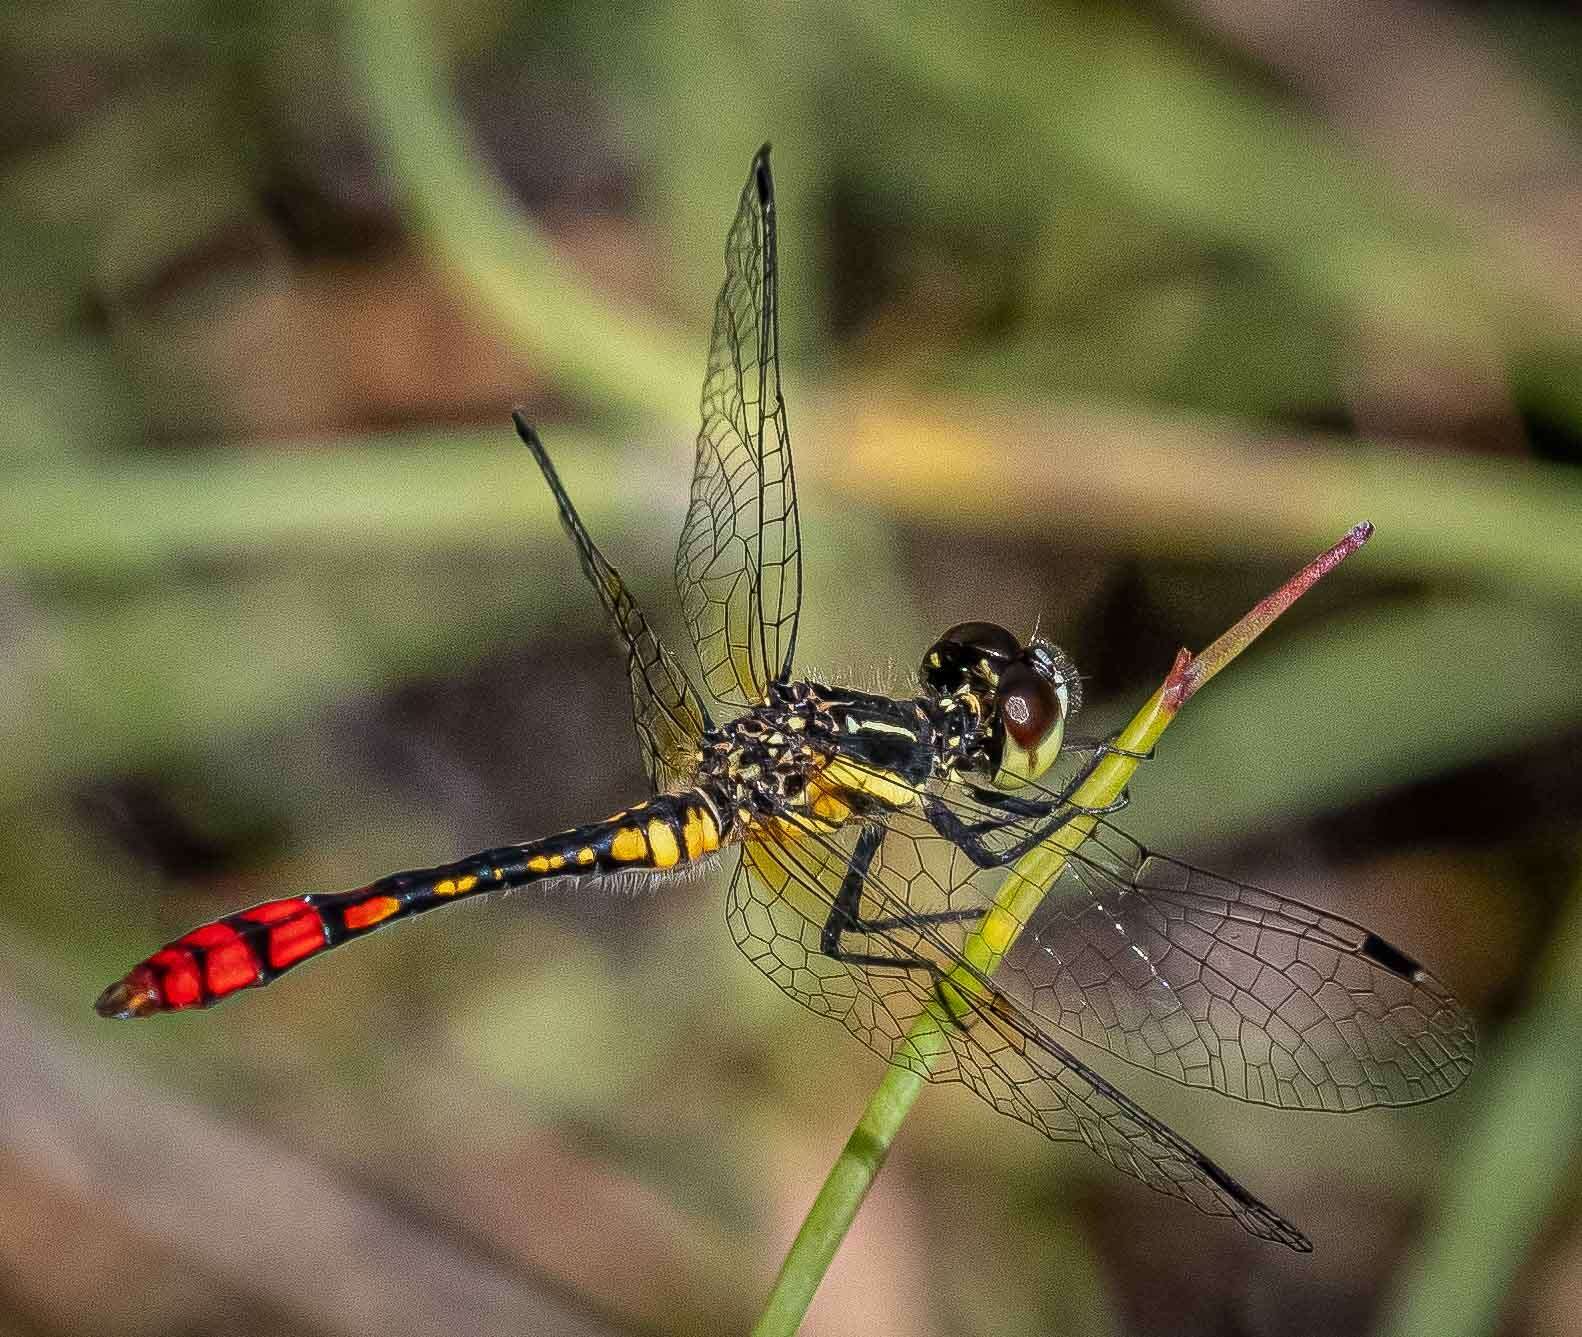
[[809, 756], [820, 755]]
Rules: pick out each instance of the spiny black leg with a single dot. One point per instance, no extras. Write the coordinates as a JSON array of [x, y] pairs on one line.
[[844, 917], [968, 837], [1019, 809], [956, 1016], [1022, 807], [908, 921], [1010, 804], [843, 913], [1104, 747], [1100, 752], [945, 1008]]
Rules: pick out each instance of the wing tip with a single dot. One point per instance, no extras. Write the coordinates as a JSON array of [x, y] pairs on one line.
[[763, 179], [1271, 1226], [530, 439]]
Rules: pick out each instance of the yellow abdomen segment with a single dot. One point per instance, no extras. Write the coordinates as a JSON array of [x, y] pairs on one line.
[[660, 834]]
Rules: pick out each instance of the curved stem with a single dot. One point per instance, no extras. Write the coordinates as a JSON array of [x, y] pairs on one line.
[[832, 1212], [466, 218]]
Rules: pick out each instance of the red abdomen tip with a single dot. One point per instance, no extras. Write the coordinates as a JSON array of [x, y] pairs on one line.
[[137, 995]]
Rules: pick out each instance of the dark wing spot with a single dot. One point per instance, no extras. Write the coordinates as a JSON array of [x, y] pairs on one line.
[[1391, 958], [766, 190]]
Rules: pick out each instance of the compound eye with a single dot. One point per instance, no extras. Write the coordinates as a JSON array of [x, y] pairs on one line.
[[970, 652], [1033, 718], [1028, 705], [987, 638]]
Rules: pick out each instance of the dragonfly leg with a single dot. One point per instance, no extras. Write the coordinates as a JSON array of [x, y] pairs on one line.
[[1104, 747], [1016, 807], [968, 837], [1009, 804], [844, 917], [1019, 809]]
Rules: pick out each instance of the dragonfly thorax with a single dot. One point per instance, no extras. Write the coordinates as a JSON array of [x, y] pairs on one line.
[[826, 753]]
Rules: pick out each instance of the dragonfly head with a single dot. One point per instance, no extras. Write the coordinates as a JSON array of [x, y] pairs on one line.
[[1023, 695]]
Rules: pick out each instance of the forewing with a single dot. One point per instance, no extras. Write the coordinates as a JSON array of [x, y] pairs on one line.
[[667, 711], [778, 903], [739, 564], [1220, 984]]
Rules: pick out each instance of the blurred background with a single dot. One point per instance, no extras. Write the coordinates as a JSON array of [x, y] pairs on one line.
[[1106, 318]]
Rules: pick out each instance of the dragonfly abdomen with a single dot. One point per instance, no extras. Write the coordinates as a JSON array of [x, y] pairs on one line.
[[254, 947]]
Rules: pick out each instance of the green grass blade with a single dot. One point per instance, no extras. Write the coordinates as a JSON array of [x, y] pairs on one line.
[[509, 266]]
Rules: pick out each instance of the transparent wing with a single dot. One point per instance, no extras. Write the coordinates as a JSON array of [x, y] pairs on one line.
[[739, 563], [778, 906], [1220, 984], [667, 711], [1217, 983]]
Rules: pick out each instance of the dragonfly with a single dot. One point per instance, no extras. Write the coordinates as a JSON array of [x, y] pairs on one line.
[[871, 834]]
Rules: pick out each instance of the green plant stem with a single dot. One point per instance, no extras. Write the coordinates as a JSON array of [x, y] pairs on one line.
[[844, 1189], [854, 1171]]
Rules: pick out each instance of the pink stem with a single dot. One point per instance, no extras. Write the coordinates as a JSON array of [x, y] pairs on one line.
[[1192, 671]]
